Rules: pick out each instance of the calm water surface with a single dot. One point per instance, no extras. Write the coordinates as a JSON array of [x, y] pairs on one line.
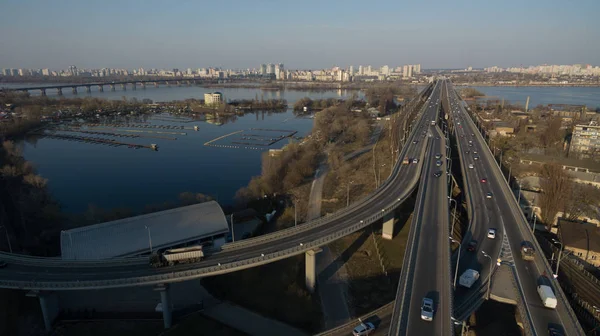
[[81, 174]]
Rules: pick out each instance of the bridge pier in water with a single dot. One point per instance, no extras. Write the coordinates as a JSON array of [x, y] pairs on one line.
[[387, 231], [88, 89], [43, 92], [165, 300], [74, 89], [124, 87], [100, 88], [155, 84], [311, 269], [59, 91], [133, 86], [112, 87], [49, 305]]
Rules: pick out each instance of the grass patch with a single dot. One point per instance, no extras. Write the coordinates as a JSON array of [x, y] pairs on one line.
[[197, 324], [276, 290]]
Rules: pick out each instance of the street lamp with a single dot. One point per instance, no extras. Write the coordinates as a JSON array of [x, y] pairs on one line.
[[232, 232], [149, 238], [348, 193], [519, 196], [556, 241], [490, 275], [533, 226], [457, 261], [7, 237], [295, 213], [453, 213]]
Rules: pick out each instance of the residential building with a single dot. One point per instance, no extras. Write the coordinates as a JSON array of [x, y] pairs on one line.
[[270, 68], [585, 142], [213, 98], [417, 69], [405, 71], [581, 239], [263, 69]]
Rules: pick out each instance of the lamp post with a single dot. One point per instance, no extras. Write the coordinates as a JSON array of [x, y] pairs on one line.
[[519, 195], [559, 255], [533, 226], [490, 275], [457, 261], [348, 193], [453, 213], [232, 232], [7, 237], [295, 213], [149, 238]]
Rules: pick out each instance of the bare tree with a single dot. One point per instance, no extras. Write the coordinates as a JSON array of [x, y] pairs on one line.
[[555, 184], [581, 201]]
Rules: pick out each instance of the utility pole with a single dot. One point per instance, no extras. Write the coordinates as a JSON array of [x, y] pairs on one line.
[[232, 232], [559, 256]]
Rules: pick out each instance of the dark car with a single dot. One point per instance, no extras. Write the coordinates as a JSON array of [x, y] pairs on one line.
[[472, 246], [437, 174], [555, 330]]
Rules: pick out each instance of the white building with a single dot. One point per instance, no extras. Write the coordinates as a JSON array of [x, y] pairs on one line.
[[213, 98]]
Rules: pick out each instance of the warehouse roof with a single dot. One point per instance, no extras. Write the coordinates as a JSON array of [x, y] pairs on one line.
[[130, 236]]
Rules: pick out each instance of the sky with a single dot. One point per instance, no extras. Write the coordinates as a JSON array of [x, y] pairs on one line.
[[302, 34]]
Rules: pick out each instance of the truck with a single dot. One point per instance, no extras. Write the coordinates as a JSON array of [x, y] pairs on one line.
[[406, 161], [547, 296], [468, 278], [175, 256], [527, 251]]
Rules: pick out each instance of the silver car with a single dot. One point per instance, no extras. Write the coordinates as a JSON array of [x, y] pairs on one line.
[[363, 329], [427, 309]]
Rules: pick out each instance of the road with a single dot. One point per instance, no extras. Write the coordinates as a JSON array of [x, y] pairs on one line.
[[426, 270], [503, 213], [36, 273]]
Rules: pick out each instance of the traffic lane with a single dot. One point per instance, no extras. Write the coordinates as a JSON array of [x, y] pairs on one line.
[[53, 273], [424, 282]]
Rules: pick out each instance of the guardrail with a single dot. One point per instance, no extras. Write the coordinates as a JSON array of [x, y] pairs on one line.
[[339, 329], [24, 259], [525, 231]]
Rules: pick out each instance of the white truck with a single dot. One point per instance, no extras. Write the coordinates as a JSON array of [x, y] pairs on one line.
[[547, 296], [468, 278]]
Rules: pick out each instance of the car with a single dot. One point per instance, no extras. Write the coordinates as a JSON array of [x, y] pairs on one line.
[[488, 195], [437, 137], [472, 134], [472, 246], [363, 329], [438, 163], [415, 141], [471, 166], [483, 180], [415, 161], [438, 156], [427, 309], [437, 174], [467, 152], [475, 158], [474, 152], [458, 123], [491, 233], [470, 145], [555, 330]]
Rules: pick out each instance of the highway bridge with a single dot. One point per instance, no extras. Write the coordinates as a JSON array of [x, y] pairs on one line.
[[492, 205], [133, 84]]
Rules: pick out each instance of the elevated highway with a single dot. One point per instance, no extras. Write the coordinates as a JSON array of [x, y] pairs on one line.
[[426, 267], [502, 213]]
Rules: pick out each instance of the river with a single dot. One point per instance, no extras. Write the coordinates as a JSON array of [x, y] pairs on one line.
[[81, 174]]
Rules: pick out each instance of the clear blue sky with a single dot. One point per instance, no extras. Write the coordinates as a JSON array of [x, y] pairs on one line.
[[300, 34]]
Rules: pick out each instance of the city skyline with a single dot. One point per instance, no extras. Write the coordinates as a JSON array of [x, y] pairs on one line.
[[154, 34]]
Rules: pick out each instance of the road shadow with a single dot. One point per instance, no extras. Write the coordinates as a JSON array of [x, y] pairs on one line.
[[341, 259]]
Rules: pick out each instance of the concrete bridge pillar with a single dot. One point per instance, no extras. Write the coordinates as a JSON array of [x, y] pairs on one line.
[[49, 305], [155, 84], [74, 89], [88, 89], [165, 300], [112, 87], [178, 83], [387, 231], [133, 86], [124, 87], [311, 271], [189, 83], [59, 91], [43, 92], [101, 88], [167, 83], [143, 86]]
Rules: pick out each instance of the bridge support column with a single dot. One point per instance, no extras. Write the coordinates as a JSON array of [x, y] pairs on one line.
[[165, 300], [112, 87], [143, 86], [387, 231], [59, 91], [43, 92], [133, 86], [155, 84], [74, 89], [49, 305], [124, 87], [100, 88], [88, 89], [311, 270]]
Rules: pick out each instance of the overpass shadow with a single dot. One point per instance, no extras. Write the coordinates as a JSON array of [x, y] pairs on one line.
[[333, 267]]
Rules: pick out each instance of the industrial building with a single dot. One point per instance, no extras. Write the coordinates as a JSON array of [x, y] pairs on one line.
[[585, 143], [213, 98], [193, 224]]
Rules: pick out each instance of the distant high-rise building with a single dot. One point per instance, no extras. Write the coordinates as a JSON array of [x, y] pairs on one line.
[[263, 69], [189, 71], [410, 70], [405, 71], [351, 70], [21, 72], [270, 68], [45, 72], [279, 71], [361, 71], [385, 70], [369, 70], [417, 69]]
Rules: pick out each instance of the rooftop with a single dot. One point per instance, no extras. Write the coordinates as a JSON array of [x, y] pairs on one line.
[[130, 236]]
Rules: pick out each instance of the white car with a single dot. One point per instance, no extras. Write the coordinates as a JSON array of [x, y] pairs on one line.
[[491, 233], [488, 195], [427, 309], [471, 166], [363, 329]]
